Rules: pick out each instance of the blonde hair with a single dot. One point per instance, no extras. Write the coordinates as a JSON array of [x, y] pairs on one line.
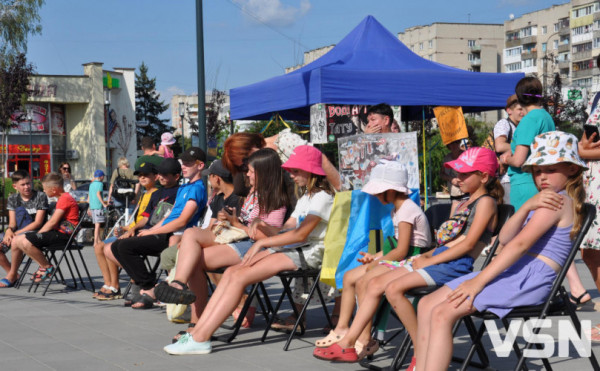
[[317, 183], [123, 162], [576, 191]]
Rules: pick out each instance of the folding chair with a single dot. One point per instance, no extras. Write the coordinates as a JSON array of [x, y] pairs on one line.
[[504, 213], [265, 307], [65, 253], [557, 304], [286, 279]]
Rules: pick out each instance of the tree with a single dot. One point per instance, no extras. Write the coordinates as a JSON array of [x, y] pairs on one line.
[[14, 79], [214, 123], [569, 114], [18, 19], [148, 106]]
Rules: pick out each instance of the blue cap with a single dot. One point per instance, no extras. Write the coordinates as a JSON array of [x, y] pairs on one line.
[[98, 173]]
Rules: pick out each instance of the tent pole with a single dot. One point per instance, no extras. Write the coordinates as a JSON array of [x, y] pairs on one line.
[[425, 163]]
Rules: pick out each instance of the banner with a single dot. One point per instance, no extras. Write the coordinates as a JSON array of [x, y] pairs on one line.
[[20, 124], [329, 122], [360, 153], [451, 122]]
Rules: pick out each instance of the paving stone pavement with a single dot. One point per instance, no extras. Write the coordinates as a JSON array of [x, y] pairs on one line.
[[68, 330]]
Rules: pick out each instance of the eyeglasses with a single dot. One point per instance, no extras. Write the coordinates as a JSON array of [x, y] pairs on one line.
[[66, 168]]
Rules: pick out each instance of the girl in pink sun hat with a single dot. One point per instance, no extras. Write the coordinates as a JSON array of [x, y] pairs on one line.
[[300, 247], [166, 141]]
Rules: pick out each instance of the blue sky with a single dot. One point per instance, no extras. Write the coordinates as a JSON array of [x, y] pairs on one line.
[[245, 41]]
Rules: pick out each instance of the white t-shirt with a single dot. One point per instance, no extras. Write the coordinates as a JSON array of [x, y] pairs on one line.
[[318, 204], [412, 214], [506, 128]]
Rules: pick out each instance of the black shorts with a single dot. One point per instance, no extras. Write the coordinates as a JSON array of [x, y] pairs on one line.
[[50, 239]]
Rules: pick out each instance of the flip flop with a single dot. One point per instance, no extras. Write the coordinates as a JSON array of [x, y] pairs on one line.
[[7, 283], [172, 295], [336, 353]]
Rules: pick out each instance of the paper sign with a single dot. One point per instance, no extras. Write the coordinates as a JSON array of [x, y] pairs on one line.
[[451, 123]]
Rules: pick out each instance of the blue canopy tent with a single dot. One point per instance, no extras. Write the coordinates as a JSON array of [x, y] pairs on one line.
[[369, 66]]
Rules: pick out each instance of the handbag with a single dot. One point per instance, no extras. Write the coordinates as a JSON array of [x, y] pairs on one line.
[[226, 233], [454, 227]]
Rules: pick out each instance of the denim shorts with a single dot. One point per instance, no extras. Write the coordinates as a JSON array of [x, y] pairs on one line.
[[242, 247], [439, 274]]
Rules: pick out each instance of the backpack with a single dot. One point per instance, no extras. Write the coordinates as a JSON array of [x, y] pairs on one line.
[[120, 183]]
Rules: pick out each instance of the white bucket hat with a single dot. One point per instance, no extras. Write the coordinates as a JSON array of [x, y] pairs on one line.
[[554, 147], [387, 175]]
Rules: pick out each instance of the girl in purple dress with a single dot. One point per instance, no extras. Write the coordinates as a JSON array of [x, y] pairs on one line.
[[537, 241]]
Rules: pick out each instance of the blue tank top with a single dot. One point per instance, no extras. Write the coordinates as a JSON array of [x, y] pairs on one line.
[[554, 244]]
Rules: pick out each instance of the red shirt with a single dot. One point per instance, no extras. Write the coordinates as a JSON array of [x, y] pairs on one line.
[[68, 204]]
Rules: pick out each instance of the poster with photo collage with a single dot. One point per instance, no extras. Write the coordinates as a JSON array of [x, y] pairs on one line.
[[358, 154]]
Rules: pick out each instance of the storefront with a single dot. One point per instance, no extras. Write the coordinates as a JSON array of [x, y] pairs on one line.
[[87, 120]]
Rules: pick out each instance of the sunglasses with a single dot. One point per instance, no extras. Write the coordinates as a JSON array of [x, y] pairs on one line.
[[66, 168]]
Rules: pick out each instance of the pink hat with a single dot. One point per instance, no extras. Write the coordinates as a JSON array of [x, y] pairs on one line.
[[306, 158], [475, 159], [166, 139]]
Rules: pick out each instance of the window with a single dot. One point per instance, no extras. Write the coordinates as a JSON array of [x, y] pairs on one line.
[[581, 47], [420, 46], [587, 10], [513, 67], [430, 44], [529, 63], [596, 42], [471, 43], [544, 30], [555, 46], [471, 57], [582, 29], [556, 27], [544, 45], [430, 57]]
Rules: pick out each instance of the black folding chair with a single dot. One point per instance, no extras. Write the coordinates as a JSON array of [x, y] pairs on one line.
[[258, 291], [286, 279], [557, 304], [504, 213], [59, 252]]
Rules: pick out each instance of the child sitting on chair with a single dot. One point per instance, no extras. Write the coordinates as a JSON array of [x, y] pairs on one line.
[[269, 256], [27, 210], [460, 240], [537, 241], [388, 182], [56, 231]]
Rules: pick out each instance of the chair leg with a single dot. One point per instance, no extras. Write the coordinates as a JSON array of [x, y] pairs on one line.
[[238, 323], [87, 272], [274, 313], [23, 273]]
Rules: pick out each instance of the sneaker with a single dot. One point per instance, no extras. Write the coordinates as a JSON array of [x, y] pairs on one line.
[[187, 345]]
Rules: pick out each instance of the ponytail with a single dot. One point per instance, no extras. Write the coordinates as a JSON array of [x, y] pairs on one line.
[[495, 189]]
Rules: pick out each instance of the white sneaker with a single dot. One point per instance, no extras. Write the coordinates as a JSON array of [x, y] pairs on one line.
[[187, 345]]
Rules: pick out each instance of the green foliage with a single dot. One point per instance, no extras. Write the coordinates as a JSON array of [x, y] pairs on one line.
[[148, 106], [14, 78], [18, 19], [214, 123]]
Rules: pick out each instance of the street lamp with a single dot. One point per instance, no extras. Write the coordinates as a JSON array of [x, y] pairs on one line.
[[181, 115], [30, 119]]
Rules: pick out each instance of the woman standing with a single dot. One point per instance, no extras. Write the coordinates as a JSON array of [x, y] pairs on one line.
[[536, 121]]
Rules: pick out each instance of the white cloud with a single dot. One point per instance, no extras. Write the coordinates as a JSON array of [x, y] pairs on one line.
[[273, 12]]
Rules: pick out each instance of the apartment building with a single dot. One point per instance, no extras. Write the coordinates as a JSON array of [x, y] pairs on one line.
[[310, 56], [468, 46], [584, 20], [538, 43], [184, 112]]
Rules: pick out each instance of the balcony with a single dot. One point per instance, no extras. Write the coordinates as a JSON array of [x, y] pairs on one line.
[[581, 38], [529, 40], [596, 16], [512, 59], [529, 70], [564, 64], [581, 56], [564, 48], [476, 62], [475, 48], [564, 77], [513, 42], [564, 31], [582, 73], [529, 54]]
